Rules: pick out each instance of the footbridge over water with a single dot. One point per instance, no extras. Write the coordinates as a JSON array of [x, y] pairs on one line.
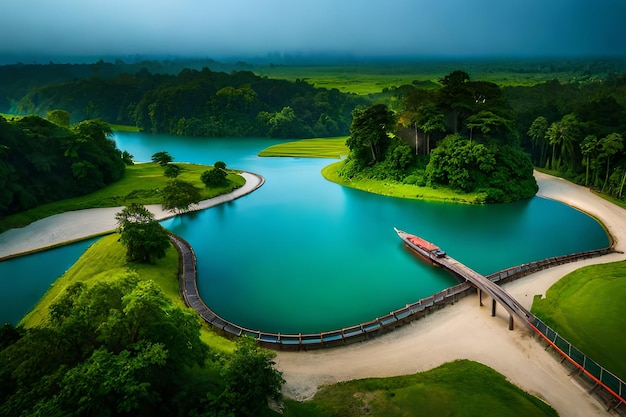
[[437, 257], [483, 284]]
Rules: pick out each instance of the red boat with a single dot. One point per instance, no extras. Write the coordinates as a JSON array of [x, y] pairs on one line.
[[425, 249]]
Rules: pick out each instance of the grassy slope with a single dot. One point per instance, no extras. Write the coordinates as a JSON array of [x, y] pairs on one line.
[[310, 148], [335, 148], [397, 189], [587, 308], [141, 183], [106, 259], [460, 388]]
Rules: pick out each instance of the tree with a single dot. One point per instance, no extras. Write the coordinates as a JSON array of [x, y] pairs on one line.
[[117, 347], [179, 196], [589, 149], [610, 146], [456, 96], [563, 133], [162, 158], [213, 177], [171, 170], [369, 139], [489, 124], [59, 117], [251, 378], [127, 158], [220, 165], [537, 132], [145, 239], [430, 120]]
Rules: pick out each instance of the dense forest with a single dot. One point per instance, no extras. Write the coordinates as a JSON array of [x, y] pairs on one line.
[[199, 103], [461, 136], [41, 161], [574, 128]]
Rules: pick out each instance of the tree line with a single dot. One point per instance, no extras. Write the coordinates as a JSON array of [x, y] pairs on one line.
[[42, 161], [120, 347], [201, 103], [461, 135], [576, 129]]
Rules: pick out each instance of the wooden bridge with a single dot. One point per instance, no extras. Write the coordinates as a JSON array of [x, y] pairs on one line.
[[483, 284]]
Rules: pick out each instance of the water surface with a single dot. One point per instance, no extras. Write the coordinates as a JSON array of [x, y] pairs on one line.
[[302, 254]]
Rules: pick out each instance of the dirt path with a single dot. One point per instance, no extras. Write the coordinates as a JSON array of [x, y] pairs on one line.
[[467, 331], [75, 225]]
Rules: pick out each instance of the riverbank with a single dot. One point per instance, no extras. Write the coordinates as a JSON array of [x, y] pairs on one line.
[[82, 224], [463, 330], [467, 331]]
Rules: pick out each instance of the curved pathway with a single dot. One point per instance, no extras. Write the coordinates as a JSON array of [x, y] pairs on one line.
[[81, 224], [466, 331]]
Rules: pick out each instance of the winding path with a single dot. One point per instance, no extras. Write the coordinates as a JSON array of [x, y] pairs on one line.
[[81, 224]]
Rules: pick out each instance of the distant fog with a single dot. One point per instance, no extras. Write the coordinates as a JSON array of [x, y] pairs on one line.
[[36, 30]]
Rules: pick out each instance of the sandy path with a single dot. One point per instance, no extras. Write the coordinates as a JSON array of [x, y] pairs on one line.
[[461, 331], [79, 224], [467, 331]]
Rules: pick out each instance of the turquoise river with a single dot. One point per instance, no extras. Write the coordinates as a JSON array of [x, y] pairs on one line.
[[303, 255]]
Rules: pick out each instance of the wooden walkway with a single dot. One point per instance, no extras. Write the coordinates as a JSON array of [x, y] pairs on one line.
[[497, 293]]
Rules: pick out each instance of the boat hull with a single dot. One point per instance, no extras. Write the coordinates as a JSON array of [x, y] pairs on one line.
[[425, 250]]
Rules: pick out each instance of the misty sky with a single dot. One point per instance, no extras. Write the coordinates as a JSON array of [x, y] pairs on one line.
[[211, 28]]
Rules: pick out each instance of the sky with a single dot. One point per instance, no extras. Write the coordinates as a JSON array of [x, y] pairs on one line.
[[374, 28]]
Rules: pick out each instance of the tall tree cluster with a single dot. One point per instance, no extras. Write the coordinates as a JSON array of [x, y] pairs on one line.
[[578, 131], [462, 135], [121, 348], [41, 161], [201, 103]]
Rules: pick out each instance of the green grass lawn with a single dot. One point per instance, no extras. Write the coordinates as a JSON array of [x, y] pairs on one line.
[[106, 259], [397, 189], [141, 184], [310, 148], [460, 389], [336, 148], [587, 308]]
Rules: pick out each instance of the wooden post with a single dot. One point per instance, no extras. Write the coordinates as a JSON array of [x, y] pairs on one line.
[[480, 296], [493, 308], [510, 322]]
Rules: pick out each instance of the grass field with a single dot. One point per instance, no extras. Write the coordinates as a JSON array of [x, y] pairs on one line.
[[396, 189], [461, 389], [141, 184], [373, 77], [587, 308], [310, 148]]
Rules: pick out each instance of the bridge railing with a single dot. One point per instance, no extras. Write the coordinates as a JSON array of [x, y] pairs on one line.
[[595, 372]]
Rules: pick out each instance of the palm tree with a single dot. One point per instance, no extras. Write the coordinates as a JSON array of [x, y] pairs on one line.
[[537, 132], [610, 145], [564, 133], [589, 149]]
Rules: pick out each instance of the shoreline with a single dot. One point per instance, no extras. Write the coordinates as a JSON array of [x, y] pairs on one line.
[[460, 331], [467, 331], [78, 225]]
